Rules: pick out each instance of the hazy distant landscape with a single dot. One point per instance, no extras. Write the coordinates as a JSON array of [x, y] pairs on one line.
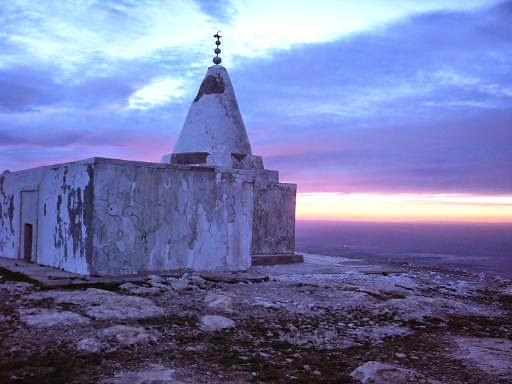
[[475, 247]]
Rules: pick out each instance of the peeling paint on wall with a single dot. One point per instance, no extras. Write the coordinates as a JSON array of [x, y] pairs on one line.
[[211, 84], [56, 236], [114, 217], [274, 218], [59, 233], [88, 215], [75, 212], [10, 212], [175, 217]]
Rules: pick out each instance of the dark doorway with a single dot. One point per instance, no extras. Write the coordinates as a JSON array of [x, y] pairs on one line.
[[27, 242], [28, 228]]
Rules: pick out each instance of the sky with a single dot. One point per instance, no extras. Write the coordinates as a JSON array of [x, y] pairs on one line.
[[377, 109]]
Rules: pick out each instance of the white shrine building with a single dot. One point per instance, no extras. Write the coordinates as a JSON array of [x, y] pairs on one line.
[[210, 205]]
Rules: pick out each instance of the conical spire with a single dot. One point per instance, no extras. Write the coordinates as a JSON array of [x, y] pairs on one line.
[[214, 132], [214, 124]]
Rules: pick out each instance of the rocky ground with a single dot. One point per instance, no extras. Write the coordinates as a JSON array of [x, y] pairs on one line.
[[320, 322]]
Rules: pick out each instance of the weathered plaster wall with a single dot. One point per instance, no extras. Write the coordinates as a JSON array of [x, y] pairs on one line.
[[62, 217], [110, 217], [9, 222], [273, 230], [224, 160], [214, 124], [156, 217]]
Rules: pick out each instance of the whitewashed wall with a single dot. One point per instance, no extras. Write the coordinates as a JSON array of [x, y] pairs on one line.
[[156, 217], [62, 216]]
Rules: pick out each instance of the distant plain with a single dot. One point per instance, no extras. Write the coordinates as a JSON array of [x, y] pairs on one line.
[[472, 247]]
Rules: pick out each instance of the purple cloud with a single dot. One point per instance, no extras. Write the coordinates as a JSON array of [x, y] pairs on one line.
[[423, 104]]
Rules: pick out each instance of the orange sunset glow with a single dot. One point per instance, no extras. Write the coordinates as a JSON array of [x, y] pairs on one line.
[[404, 207]]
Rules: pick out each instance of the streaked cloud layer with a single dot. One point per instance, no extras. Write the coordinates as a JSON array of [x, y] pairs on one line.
[[366, 97]]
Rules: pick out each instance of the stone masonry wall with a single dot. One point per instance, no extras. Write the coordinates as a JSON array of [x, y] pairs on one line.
[[59, 212], [113, 217], [157, 217], [273, 230]]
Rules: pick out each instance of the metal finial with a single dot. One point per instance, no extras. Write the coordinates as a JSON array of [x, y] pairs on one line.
[[217, 60]]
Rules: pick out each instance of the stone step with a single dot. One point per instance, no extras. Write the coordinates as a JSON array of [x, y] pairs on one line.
[[279, 258]]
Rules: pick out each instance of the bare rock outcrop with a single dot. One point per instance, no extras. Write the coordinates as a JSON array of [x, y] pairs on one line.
[[213, 323], [105, 305], [41, 317], [153, 374], [491, 355], [374, 372], [114, 337], [219, 301]]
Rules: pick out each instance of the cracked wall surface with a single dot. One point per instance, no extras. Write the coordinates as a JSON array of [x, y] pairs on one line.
[[156, 217], [273, 230], [60, 219], [115, 217], [214, 124]]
